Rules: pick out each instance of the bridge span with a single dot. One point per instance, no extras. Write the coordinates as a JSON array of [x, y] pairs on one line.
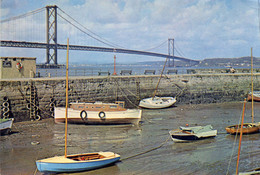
[[38, 45]]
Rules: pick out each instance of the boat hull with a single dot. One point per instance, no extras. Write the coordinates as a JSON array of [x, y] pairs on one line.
[[191, 137], [186, 134], [248, 128], [129, 116], [6, 125], [256, 97], [157, 102], [60, 164]]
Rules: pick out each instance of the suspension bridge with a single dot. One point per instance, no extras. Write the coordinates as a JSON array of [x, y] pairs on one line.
[[51, 45]]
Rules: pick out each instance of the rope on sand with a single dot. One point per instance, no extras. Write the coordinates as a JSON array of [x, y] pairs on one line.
[[35, 171], [147, 150]]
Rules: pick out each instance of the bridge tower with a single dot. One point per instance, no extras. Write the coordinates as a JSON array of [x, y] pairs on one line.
[[51, 34], [171, 51]]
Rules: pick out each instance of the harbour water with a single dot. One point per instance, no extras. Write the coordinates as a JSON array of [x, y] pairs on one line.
[[104, 69], [94, 70], [144, 149]]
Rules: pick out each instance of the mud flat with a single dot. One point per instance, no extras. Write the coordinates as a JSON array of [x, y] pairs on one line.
[[32, 140]]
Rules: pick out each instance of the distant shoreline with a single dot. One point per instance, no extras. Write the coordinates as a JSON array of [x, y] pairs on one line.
[[241, 62]]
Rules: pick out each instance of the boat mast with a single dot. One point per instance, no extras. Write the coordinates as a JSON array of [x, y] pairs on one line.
[[252, 85], [67, 90], [241, 133], [159, 79]]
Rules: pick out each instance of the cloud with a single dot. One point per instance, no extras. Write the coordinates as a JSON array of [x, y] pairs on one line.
[[201, 28]]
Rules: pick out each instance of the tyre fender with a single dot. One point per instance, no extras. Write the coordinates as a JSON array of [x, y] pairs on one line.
[[102, 115], [83, 115]]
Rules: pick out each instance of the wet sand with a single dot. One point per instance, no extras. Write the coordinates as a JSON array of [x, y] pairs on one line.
[[19, 151]]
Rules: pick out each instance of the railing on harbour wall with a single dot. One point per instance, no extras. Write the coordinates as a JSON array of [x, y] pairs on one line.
[[74, 71]]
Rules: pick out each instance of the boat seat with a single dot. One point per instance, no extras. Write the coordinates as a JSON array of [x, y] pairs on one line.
[[88, 157]]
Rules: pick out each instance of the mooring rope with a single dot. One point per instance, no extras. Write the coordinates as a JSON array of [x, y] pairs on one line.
[[182, 89], [233, 147], [124, 94], [147, 150], [35, 171]]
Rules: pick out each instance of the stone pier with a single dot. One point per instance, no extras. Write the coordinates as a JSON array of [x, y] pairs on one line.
[[31, 98]]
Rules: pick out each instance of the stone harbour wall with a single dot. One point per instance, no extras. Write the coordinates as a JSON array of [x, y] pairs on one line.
[[35, 98]]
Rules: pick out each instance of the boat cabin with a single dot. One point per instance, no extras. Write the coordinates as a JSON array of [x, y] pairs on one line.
[[99, 106]]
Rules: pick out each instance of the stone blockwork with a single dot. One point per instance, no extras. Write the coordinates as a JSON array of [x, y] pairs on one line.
[[31, 97]]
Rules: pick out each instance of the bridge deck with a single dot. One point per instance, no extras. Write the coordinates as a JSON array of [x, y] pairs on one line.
[[25, 44]]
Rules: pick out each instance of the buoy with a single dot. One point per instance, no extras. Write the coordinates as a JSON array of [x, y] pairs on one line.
[[19, 66]]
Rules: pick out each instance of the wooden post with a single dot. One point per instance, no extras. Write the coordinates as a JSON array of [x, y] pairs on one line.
[[114, 65], [67, 96], [252, 85]]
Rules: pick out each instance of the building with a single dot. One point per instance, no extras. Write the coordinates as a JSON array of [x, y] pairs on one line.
[[17, 67]]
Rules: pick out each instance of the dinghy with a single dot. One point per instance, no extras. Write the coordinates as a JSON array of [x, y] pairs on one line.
[[185, 134], [247, 128], [6, 125], [256, 96], [78, 162], [157, 102]]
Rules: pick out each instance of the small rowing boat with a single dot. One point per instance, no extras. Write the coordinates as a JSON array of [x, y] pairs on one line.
[[6, 125], [157, 102], [248, 128], [256, 96], [185, 134]]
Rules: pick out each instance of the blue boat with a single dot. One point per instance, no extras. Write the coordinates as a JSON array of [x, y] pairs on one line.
[[77, 162]]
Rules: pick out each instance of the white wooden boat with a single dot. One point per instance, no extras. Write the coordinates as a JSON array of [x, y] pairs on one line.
[[185, 134], [6, 125], [78, 162], [98, 113], [157, 102]]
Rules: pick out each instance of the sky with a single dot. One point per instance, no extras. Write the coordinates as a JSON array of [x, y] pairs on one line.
[[200, 28]]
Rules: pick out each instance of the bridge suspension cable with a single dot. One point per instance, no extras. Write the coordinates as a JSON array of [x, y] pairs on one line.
[[178, 50], [24, 15], [96, 37], [155, 47]]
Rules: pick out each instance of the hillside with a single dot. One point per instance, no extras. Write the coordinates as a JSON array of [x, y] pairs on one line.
[[213, 62], [234, 62]]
